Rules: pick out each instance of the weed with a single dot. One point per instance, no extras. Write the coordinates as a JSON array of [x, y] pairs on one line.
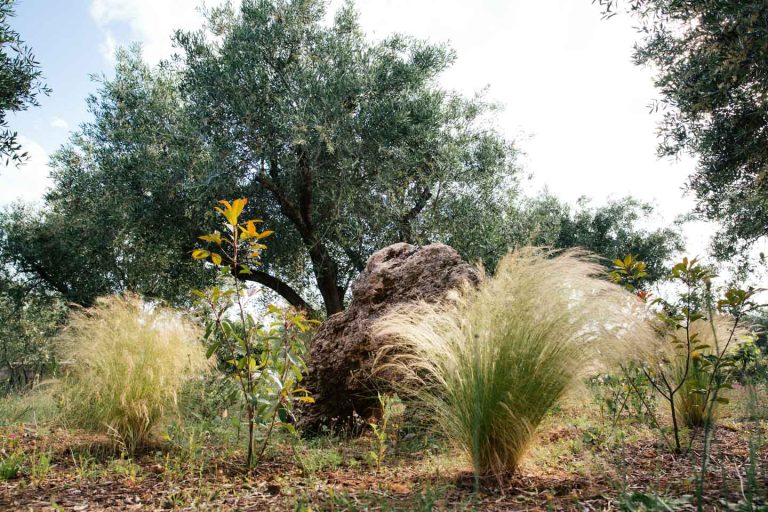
[[10, 465], [392, 411], [39, 466], [125, 468], [84, 463]]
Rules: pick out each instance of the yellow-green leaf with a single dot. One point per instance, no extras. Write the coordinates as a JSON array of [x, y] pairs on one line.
[[200, 254], [213, 237], [216, 258], [238, 205]]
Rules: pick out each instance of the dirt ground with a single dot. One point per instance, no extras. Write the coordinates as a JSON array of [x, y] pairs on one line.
[[570, 467]]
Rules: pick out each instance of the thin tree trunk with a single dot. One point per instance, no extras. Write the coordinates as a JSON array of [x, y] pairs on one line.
[[326, 273]]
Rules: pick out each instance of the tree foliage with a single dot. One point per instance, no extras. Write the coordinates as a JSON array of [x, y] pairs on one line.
[[29, 318], [342, 146], [130, 191], [346, 145], [20, 82], [710, 57], [612, 231]]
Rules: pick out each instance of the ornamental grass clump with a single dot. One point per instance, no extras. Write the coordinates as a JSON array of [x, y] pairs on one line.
[[127, 361], [489, 363]]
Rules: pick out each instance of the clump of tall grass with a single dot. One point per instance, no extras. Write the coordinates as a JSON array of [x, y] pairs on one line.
[[489, 363], [127, 361]]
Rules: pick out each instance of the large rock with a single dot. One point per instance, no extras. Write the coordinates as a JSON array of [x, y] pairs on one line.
[[343, 348]]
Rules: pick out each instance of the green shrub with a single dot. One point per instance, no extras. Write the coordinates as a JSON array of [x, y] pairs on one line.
[[490, 363], [625, 393], [691, 401], [127, 361]]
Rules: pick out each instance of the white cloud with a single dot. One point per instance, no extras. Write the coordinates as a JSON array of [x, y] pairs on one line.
[[573, 99], [58, 122], [108, 47], [28, 181], [149, 22]]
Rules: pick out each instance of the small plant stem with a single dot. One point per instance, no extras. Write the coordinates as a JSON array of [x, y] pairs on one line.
[[648, 408], [279, 401]]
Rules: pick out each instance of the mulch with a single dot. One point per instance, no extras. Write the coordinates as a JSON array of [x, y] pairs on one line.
[[405, 482]]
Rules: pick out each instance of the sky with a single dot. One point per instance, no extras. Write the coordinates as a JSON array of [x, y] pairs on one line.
[[574, 102]]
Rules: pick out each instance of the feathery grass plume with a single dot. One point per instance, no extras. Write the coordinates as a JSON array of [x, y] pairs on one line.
[[490, 362], [128, 360], [710, 339]]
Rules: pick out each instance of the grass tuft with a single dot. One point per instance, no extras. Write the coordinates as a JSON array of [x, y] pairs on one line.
[[489, 363], [127, 361]]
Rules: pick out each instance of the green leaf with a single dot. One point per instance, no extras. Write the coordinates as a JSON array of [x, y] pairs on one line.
[[212, 349]]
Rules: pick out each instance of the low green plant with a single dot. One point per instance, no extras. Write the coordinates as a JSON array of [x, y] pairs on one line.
[[312, 459], [385, 430], [489, 363], [84, 463], [31, 406], [40, 466], [128, 361], [642, 502], [10, 464], [625, 393], [125, 468]]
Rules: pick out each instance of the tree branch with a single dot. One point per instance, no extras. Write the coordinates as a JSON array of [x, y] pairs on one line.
[[406, 230], [280, 287], [355, 258]]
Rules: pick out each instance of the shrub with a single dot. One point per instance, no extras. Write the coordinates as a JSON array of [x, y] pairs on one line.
[[627, 392], [264, 356], [490, 362], [691, 402], [127, 362]]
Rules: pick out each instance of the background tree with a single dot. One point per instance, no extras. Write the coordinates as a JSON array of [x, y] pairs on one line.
[[125, 192], [349, 147], [711, 58], [611, 231], [344, 145], [20, 82], [29, 317]]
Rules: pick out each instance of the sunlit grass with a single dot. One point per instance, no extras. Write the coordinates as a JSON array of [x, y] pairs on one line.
[[489, 363], [127, 363]]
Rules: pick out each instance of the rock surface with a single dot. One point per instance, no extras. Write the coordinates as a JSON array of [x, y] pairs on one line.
[[343, 349]]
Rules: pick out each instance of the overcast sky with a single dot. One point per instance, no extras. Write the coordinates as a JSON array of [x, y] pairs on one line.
[[574, 102]]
